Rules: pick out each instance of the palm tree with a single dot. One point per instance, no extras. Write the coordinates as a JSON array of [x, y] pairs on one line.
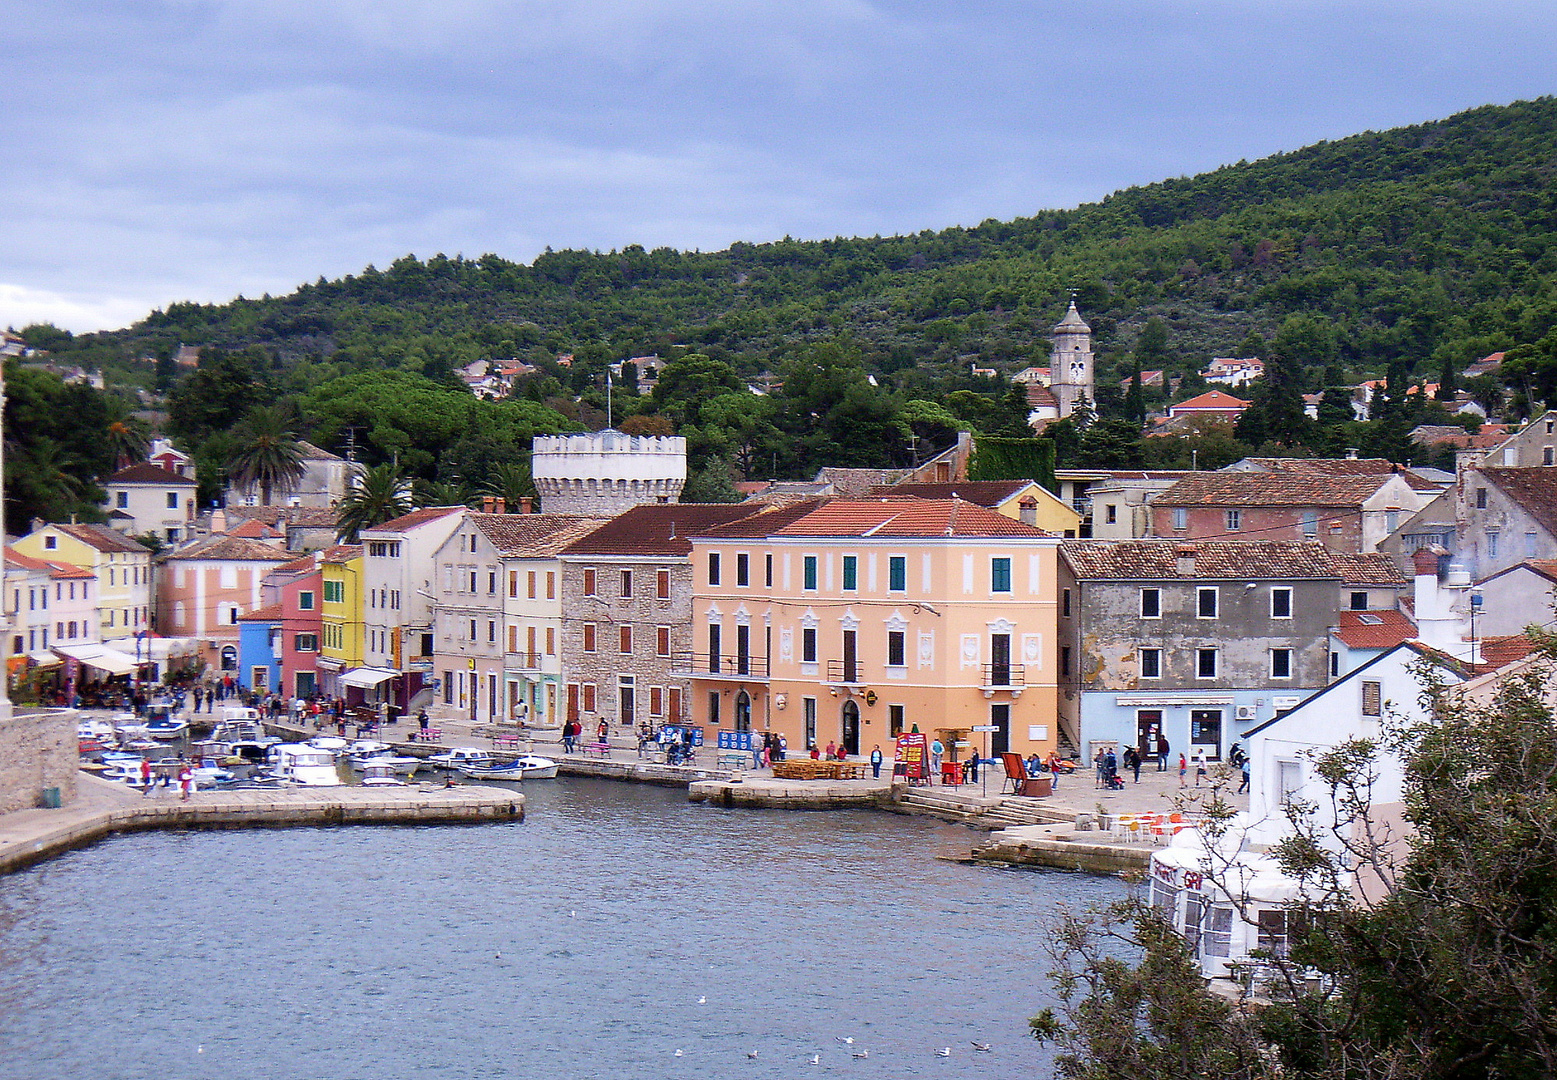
[[127, 436], [441, 493], [268, 454], [511, 482], [379, 495]]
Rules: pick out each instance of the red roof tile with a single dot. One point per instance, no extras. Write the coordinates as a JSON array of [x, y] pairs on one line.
[[102, 538], [340, 553], [534, 535], [1211, 400], [1374, 629], [253, 529], [144, 472], [406, 522], [1128, 560], [1369, 569], [907, 518], [987, 493], [1245, 489], [268, 613], [658, 529], [223, 548]]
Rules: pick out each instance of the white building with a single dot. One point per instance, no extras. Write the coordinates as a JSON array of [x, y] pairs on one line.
[[146, 498], [606, 472]]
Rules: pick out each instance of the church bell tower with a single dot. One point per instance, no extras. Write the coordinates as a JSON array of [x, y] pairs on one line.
[[1070, 362]]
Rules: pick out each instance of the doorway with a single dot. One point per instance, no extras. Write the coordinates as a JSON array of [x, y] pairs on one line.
[[1205, 732], [1148, 726], [1000, 738], [743, 711], [851, 728]]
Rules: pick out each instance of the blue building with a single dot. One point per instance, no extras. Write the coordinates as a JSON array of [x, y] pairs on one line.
[[259, 649]]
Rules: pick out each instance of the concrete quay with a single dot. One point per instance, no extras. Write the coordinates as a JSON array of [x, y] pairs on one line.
[[103, 809]]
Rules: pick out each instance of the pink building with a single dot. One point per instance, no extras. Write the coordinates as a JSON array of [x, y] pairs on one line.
[[202, 589], [296, 589]]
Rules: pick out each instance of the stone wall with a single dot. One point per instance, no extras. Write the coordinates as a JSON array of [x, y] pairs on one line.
[[37, 751]]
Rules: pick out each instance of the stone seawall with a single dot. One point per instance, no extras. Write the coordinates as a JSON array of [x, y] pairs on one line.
[[41, 834], [37, 752]]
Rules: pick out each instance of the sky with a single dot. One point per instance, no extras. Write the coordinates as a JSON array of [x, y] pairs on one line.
[[166, 150]]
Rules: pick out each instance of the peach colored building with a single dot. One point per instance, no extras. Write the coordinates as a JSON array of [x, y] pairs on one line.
[[852, 621], [203, 588]]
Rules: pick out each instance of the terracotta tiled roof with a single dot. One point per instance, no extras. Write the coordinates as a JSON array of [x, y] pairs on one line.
[[1547, 568], [24, 562], [1374, 629], [771, 519], [303, 517], [254, 529], [534, 535], [1128, 560], [987, 493], [659, 529], [1246, 489], [907, 518], [102, 538], [65, 570], [144, 472], [231, 549], [1535, 490], [339, 553], [1370, 569], [1343, 467], [1211, 399], [415, 518], [1497, 652], [306, 562], [268, 613], [310, 452]]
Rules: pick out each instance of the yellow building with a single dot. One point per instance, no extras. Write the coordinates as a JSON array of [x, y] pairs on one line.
[[122, 566], [340, 616], [1019, 500], [852, 621]]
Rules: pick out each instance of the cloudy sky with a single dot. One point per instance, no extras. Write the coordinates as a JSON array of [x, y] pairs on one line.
[[162, 150]]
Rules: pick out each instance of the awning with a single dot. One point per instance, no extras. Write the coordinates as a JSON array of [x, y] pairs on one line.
[[44, 659], [154, 649], [99, 656], [365, 677]]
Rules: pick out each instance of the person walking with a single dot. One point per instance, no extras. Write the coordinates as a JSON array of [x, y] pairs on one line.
[[603, 733], [568, 731], [1132, 761], [145, 777], [970, 771], [1098, 765], [937, 751], [875, 762], [1183, 769], [1200, 764], [186, 780], [1162, 752], [1243, 787]]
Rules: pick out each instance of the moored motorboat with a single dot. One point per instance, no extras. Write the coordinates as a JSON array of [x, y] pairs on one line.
[[166, 728], [376, 774], [461, 756], [304, 765], [526, 767], [333, 743]]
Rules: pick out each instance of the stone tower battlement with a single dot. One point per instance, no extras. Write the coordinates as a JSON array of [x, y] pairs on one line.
[[606, 472]]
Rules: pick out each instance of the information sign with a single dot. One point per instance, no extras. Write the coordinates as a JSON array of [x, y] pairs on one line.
[[913, 753]]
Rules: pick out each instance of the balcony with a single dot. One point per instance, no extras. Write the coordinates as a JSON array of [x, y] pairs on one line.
[[524, 661], [1008, 677], [737, 667], [845, 672]]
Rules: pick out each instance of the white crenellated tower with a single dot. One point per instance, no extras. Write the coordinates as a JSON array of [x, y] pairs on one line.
[[606, 472], [1070, 362]]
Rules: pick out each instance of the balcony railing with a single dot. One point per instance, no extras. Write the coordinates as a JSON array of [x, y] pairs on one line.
[[1004, 675], [845, 672], [525, 661], [702, 665]]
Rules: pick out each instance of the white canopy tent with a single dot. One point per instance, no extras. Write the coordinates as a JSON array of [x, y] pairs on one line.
[[99, 656], [367, 677]]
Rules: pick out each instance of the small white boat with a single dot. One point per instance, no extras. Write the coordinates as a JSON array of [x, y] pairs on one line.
[[167, 728], [380, 775], [100, 730], [528, 767], [461, 756], [399, 764], [303, 765], [334, 744], [364, 748]]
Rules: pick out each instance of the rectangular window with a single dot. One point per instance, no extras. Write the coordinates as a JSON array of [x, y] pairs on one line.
[[551, 585], [122, 500], [1151, 603], [1065, 660], [1335, 665], [551, 641], [172, 500], [1548, 455], [743, 569], [1492, 543], [662, 584], [895, 720], [1372, 698], [1359, 601], [1217, 937], [715, 633], [1530, 545], [513, 584], [1481, 498], [334, 592], [491, 632], [530, 585], [627, 584], [589, 581], [1281, 603], [768, 569], [808, 645], [713, 568], [896, 648], [662, 641], [626, 700], [1000, 574], [897, 573], [808, 713], [1151, 663], [513, 639], [305, 601], [491, 582], [851, 573], [589, 637], [1181, 517], [624, 639], [1310, 524], [306, 642], [713, 706], [589, 697], [471, 576], [809, 562], [1205, 663], [1234, 520], [1289, 780], [656, 701], [1065, 603], [1281, 663], [1206, 603]]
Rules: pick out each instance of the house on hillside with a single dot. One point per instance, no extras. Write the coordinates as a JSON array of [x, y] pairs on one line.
[[1234, 371], [1505, 516], [146, 498]]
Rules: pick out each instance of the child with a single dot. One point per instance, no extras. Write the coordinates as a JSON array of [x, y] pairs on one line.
[[1183, 768]]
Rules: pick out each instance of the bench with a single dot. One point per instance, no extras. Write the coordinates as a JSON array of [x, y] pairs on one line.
[[505, 742], [597, 748], [431, 734], [735, 759]]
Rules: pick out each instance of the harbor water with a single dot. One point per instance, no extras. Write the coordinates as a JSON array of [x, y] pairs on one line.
[[618, 932]]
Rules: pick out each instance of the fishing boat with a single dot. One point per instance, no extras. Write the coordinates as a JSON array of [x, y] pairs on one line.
[[528, 767], [461, 756]]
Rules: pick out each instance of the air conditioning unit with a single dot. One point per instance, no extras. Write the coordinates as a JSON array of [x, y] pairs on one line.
[[1245, 712]]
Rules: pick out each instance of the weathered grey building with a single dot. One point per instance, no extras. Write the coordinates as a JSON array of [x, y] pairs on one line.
[[1199, 640]]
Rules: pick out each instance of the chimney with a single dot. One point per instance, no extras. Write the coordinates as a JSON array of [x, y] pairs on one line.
[[1184, 557], [1029, 510], [493, 504], [1351, 453], [526, 504]]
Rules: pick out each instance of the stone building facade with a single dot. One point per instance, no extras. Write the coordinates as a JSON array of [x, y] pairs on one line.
[[627, 615], [37, 752], [604, 473]]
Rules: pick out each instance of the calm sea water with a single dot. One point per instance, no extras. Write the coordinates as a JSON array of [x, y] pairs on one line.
[[576, 944]]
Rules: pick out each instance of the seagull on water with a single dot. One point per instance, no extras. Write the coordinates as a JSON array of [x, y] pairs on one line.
[[702, 999], [944, 1051], [752, 1054], [815, 1059], [677, 1054], [861, 1054], [499, 956], [982, 1048], [847, 1040]]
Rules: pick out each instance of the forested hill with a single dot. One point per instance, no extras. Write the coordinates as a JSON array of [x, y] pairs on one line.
[[1422, 244]]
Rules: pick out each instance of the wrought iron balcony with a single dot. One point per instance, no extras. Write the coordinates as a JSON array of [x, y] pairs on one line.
[[702, 665]]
